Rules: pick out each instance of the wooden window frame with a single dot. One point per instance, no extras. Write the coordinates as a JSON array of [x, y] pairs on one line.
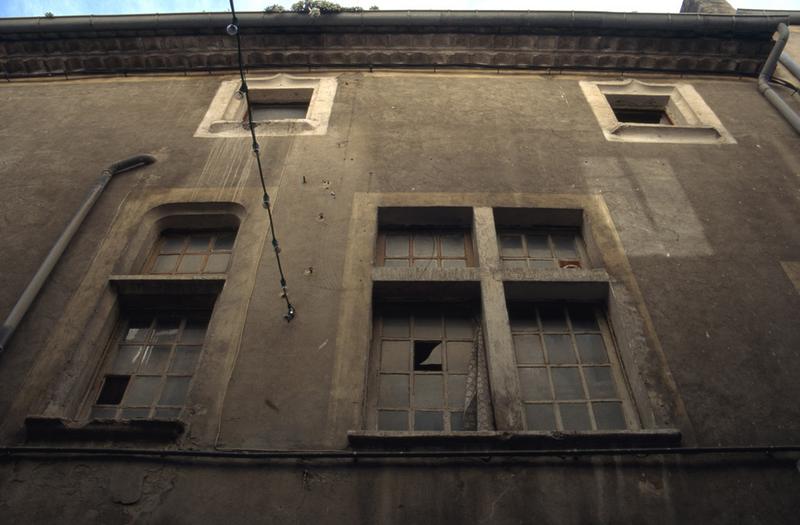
[[469, 251], [550, 232], [150, 262]]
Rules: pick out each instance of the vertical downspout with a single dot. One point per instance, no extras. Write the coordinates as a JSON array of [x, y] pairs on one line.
[[35, 285], [788, 113]]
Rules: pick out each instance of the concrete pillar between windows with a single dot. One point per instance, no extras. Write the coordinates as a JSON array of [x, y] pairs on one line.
[[503, 377]]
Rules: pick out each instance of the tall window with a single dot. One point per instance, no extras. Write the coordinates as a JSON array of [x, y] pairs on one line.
[[425, 248], [178, 252], [570, 378], [151, 367], [427, 370]]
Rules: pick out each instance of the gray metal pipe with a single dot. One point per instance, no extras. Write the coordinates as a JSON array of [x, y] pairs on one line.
[[35, 285], [791, 65], [764, 77]]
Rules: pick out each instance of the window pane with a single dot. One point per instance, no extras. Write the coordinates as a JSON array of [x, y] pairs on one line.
[[138, 330], [600, 382], [543, 264], [456, 390], [453, 245], [583, 318], [528, 349], [428, 421], [609, 416], [538, 246], [134, 413], [428, 391], [103, 412], [511, 246], [217, 263], [591, 348], [515, 263], [392, 420], [559, 349], [165, 264], [166, 330], [575, 416], [172, 244], [395, 326], [393, 391], [428, 356], [396, 263], [458, 327], [423, 245], [185, 360], [457, 421], [567, 383], [397, 245], [113, 390], [175, 390], [142, 390], [224, 241], [565, 246], [458, 357], [427, 327], [199, 243], [553, 319], [534, 385], [191, 264], [523, 320], [194, 332], [127, 359], [540, 417], [154, 359], [395, 356]]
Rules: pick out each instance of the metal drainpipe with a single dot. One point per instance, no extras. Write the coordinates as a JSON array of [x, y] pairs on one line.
[[32, 290], [788, 113], [790, 64]]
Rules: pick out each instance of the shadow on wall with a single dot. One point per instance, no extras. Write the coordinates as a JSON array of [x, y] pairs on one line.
[[650, 209]]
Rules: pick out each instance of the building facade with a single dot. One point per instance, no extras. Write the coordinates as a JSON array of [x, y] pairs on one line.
[[545, 267]]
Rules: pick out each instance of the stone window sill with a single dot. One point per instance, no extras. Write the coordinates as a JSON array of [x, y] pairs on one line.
[[41, 428], [497, 440]]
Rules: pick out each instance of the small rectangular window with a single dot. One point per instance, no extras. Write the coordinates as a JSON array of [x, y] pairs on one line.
[[149, 371], [202, 251], [640, 109], [267, 111], [543, 248], [421, 248]]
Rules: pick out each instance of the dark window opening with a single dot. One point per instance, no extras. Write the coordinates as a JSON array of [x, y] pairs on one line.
[[113, 390], [428, 356], [275, 111], [642, 116]]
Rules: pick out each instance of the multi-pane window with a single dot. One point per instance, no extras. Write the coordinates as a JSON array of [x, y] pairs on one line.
[[542, 248], [150, 370], [192, 252], [568, 371], [422, 372], [425, 249]]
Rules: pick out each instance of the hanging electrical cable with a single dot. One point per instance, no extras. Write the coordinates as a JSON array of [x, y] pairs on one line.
[[233, 30]]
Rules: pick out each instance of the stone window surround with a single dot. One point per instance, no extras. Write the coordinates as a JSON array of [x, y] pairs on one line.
[[225, 115], [108, 289], [693, 121], [637, 344]]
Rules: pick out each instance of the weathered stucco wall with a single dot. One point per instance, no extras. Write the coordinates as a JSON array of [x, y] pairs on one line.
[[704, 227]]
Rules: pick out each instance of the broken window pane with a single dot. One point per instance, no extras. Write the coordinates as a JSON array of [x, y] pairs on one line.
[[113, 390], [428, 356]]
